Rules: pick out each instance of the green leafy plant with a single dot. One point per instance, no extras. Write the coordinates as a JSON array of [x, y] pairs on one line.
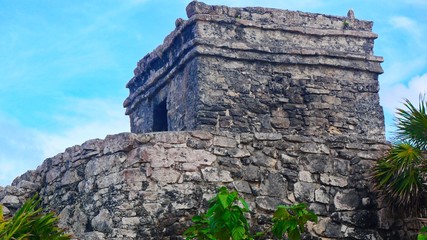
[[400, 176], [346, 24], [290, 220], [225, 220], [423, 234], [30, 223]]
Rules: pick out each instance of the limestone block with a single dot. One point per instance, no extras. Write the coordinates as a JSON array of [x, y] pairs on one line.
[[233, 163], [28, 185], [198, 144], [327, 228], [132, 221], [251, 173], [53, 174], [102, 164], [280, 122], [305, 176], [246, 138], [192, 177], [274, 185], [179, 154], [314, 148], [133, 178], [144, 138], [156, 155], [226, 142], [11, 201], [267, 203], [211, 174], [267, 136], [103, 221], [371, 155], [347, 200], [127, 233], [239, 153], [202, 157], [287, 159], [183, 205], [320, 195], [165, 175], [118, 143], [242, 186], [316, 163], [103, 181], [331, 180], [69, 177], [203, 135], [94, 236], [304, 191], [79, 220], [260, 159], [171, 137], [319, 209]]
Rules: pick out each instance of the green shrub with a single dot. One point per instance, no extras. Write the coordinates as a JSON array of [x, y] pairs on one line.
[[30, 223], [226, 220]]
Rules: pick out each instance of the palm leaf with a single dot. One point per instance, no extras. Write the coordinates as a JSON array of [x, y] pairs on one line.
[[412, 124]]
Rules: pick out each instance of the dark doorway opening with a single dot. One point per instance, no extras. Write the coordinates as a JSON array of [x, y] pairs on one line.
[[160, 117]]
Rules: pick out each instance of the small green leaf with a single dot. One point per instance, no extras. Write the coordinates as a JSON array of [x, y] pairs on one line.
[[245, 204], [238, 233], [294, 234], [223, 199]]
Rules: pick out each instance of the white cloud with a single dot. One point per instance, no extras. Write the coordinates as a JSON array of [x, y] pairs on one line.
[[399, 68], [88, 119], [393, 96], [406, 24], [23, 149], [18, 150]]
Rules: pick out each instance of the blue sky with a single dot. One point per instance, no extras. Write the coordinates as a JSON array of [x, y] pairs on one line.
[[64, 64]]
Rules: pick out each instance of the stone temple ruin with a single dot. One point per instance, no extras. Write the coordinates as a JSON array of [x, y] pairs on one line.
[[280, 105]]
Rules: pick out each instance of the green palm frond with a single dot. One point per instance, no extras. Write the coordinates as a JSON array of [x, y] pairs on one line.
[[412, 124], [399, 178], [30, 223]]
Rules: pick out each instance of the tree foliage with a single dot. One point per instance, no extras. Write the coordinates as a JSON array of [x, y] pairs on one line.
[[400, 177], [29, 222]]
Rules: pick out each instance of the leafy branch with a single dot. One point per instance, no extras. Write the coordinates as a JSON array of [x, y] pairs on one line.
[[225, 220]]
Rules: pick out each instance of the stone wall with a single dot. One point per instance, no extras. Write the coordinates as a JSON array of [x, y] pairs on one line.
[[260, 69], [147, 186]]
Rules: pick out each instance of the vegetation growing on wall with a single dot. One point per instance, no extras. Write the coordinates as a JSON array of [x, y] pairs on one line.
[[225, 219]]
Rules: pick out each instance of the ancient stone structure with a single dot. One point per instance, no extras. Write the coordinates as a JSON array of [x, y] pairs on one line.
[[265, 70], [281, 106]]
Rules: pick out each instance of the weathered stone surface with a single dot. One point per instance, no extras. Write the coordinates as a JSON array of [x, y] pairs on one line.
[[267, 203], [347, 200], [216, 175], [103, 222], [304, 192], [333, 180], [271, 75]]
